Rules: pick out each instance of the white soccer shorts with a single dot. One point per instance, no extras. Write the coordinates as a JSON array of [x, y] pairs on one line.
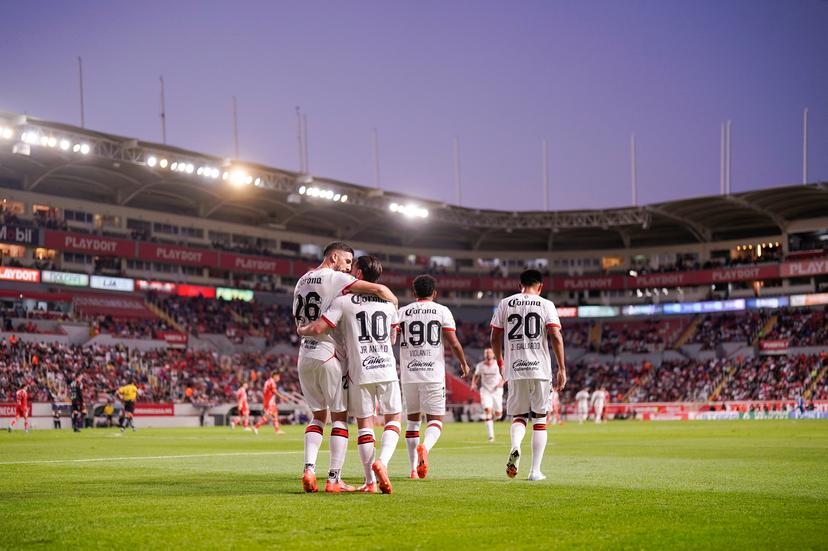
[[528, 395], [492, 400], [322, 384], [428, 398], [382, 398]]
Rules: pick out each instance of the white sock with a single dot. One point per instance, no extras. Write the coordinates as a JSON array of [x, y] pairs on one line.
[[390, 437], [490, 427], [432, 434], [538, 443], [518, 431], [412, 438], [338, 445], [365, 445], [313, 441]]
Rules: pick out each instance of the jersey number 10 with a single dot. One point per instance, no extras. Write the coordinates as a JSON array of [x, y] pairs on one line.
[[378, 330]]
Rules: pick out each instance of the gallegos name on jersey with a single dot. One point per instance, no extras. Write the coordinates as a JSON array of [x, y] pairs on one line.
[[525, 321]]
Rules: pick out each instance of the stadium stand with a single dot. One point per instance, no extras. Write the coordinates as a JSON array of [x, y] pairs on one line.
[[705, 299]]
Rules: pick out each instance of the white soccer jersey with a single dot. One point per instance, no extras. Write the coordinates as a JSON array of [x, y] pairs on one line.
[[582, 397], [366, 323], [489, 375], [525, 320], [422, 353], [313, 294], [598, 398]]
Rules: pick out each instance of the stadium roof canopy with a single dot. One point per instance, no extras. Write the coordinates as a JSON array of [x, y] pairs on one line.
[[41, 156]]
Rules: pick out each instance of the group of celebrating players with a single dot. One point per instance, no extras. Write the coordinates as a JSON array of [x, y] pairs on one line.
[[349, 324]]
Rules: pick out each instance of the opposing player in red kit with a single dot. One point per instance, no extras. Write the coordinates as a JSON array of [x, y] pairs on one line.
[[21, 408], [271, 410], [244, 410]]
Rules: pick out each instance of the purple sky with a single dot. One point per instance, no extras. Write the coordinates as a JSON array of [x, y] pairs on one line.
[[500, 75]]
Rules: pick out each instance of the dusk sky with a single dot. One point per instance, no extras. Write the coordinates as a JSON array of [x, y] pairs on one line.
[[500, 75]]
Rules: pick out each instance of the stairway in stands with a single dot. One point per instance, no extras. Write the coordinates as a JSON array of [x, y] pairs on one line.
[[644, 382], [730, 371], [688, 333], [595, 334], [166, 317], [819, 376], [770, 323]]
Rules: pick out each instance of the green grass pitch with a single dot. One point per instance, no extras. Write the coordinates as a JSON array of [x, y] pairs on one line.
[[699, 485]]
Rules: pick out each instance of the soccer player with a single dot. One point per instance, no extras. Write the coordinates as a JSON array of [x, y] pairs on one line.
[[21, 408], [487, 375], [526, 321], [424, 325], [244, 410], [367, 326], [128, 394], [271, 410], [78, 409], [582, 398], [321, 376], [554, 416], [597, 402]]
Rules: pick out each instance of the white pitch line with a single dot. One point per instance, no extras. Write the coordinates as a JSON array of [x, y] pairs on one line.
[[132, 458], [189, 456]]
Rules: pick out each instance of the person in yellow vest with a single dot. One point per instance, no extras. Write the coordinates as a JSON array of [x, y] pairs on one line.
[[128, 394]]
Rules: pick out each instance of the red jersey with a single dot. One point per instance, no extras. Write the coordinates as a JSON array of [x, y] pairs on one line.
[[269, 391], [241, 396], [22, 398]]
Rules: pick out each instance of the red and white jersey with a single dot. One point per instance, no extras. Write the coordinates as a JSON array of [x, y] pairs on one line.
[[365, 323], [422, 352], [525, 320], [22, 398], [241, 397], [489, 375], [313, 294], [269, 391]]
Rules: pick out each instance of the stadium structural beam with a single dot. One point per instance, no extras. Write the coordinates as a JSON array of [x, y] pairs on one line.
[[699, 231], [625, 237], [781, 222], [30, 186], [544, 220]]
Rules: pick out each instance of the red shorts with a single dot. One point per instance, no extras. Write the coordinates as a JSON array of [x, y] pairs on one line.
[[271, 409], [244, 411], [21, 411]]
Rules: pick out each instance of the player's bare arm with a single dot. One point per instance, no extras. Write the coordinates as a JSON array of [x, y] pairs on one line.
[[497, 346], [361, 287], [313, 329], [556, 338], [457, 351]]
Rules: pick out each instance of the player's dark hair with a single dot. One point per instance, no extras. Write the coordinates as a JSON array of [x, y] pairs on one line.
[[370, 266], [336, 246], [424, 286], [530, 278]]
